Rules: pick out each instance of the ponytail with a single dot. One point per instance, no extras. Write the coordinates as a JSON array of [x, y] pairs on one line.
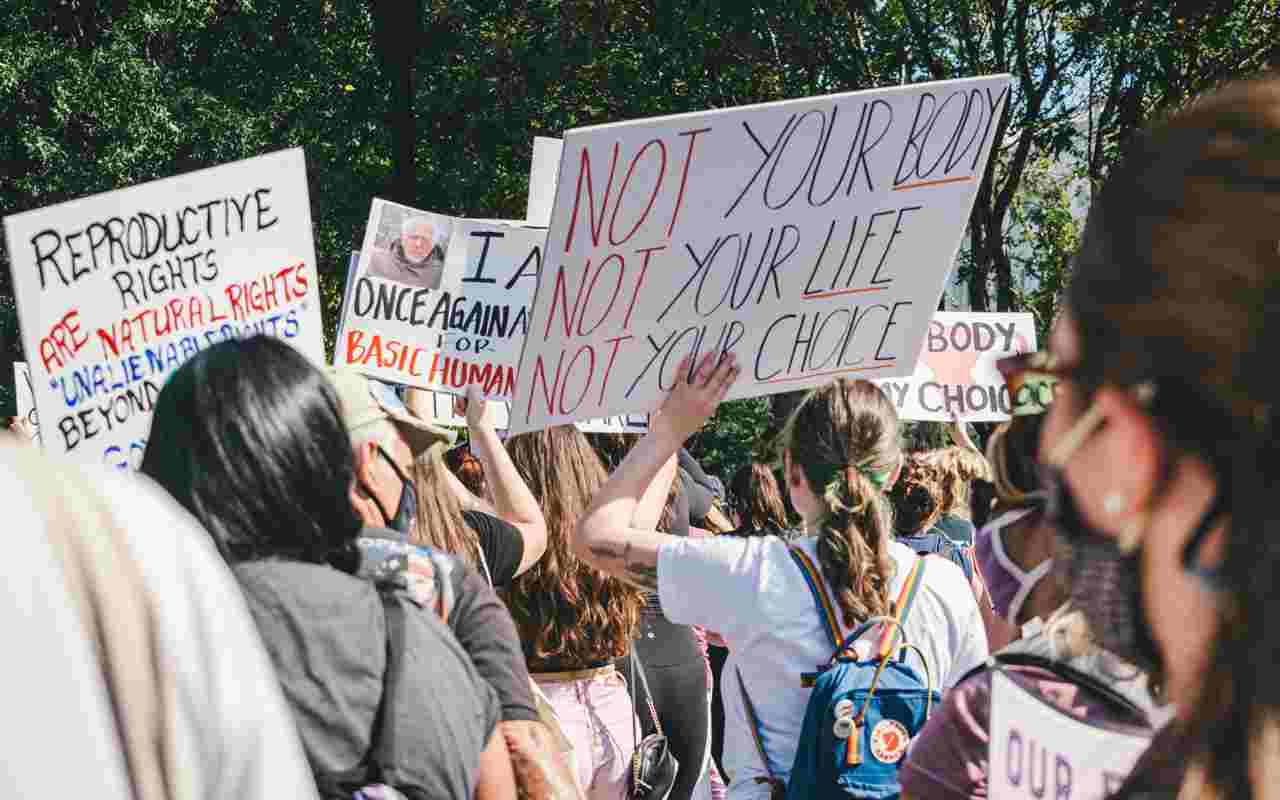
[[844, 437], [853, 546]]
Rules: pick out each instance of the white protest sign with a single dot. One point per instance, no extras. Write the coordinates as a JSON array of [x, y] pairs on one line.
[[437, 407], [24, 397], [117, 290], [956, 374], [439, 302], [1038, 751], [542, 180], [811, 238]]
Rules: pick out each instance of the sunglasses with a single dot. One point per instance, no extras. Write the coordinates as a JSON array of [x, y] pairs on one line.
[[1033, 381]]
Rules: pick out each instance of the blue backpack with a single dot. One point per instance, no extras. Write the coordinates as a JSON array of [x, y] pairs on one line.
[[861, 715]]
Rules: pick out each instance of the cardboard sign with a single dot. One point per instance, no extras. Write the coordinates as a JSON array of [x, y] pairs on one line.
[[24, 396], [117, 290], [811, 238], [437, 407], [542, 180], [956, 374], [1039, 751], [439, 302]]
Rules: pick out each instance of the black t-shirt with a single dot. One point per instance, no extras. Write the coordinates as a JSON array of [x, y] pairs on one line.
[[501, 543]]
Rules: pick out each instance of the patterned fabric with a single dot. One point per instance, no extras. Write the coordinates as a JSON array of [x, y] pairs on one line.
[[420, 571]]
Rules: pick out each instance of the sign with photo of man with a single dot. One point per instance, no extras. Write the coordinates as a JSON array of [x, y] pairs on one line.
[[410, 247]]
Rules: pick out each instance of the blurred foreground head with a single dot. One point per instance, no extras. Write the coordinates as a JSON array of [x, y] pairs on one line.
[[140, 674]]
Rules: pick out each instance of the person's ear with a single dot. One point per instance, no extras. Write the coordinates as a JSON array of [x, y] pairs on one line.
[[366, 456], [1129, 437], [794, 473]]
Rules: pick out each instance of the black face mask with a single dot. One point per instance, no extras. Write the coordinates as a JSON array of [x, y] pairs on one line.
[[407, 510], [1105, 584]]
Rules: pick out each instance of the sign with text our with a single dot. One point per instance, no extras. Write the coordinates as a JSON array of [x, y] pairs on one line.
[[811, 238], [117, 290]]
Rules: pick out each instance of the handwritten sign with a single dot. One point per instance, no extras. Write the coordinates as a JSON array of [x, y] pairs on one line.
[[24, 394], [117, 290], [812, 238], [438, 408], [439, 302], [1038, 751], [956, 374]]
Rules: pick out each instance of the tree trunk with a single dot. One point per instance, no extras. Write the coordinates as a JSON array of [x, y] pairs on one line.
[[397, 28]]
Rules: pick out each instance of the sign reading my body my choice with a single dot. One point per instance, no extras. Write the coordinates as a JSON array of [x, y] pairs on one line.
[[956, 376], [439, 302], [117, 290], [811, 238]]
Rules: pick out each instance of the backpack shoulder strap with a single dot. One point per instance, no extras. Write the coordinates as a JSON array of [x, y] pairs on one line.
[[902, 607], [826, 609]]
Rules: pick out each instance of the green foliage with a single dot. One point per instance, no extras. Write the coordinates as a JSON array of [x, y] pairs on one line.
[[733, 437], [99, 95]]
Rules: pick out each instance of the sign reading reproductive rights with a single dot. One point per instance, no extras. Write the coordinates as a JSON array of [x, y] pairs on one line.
[[1038, 751], [117, 290], [956, 376], [811, 238], [24, 395], [439, 302]]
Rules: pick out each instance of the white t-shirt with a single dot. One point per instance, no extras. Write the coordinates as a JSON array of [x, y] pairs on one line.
[[229, 730], [753, 594]]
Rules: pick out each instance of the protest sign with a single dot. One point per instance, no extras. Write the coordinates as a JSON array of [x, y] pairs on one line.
[[115, 291], [542, 180], [439, 302], [438, 408], [811, 238], [1036, 750], [956, 374], [24, 396]]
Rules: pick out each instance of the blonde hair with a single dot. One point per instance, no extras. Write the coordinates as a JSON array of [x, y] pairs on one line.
[[958, 468]]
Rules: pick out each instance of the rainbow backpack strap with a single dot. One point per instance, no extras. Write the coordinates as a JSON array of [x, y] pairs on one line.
[[902, 607], [826, 609]]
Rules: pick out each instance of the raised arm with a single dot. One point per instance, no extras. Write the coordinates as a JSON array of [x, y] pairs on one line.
[[512, 500], [606, 537]]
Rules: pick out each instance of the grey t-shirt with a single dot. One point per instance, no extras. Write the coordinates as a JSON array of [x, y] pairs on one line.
[[326, 633]]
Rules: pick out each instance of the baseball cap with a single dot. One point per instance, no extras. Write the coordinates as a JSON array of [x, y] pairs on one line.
[[364, 401]]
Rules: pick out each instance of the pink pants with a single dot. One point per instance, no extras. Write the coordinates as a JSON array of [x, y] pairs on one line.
[[596, 716]]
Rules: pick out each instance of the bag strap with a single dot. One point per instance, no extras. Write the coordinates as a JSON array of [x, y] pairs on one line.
[[484, 564], [770, 778], [818, 588], [902, 607], [637, 667]]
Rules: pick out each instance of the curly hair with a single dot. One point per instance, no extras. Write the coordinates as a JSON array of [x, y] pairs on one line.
[[958, 468], [916, 496], [569, 614]]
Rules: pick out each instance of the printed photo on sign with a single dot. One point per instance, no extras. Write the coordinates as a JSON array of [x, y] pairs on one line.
[[408, 246], [810, 238], [465, 328], [956, 375], [1038, 751], [117, 290]]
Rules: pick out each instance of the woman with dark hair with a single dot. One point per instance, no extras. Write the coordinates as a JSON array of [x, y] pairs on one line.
[[574, 620], [759, 501], [248, 436], [1162, 438], [841, 453]]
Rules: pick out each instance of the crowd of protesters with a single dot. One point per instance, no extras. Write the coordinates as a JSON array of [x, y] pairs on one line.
[[312, 590]]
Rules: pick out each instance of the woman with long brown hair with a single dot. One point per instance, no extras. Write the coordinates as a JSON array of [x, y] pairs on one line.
[[573, 619], [841, 453], [759, 501]]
